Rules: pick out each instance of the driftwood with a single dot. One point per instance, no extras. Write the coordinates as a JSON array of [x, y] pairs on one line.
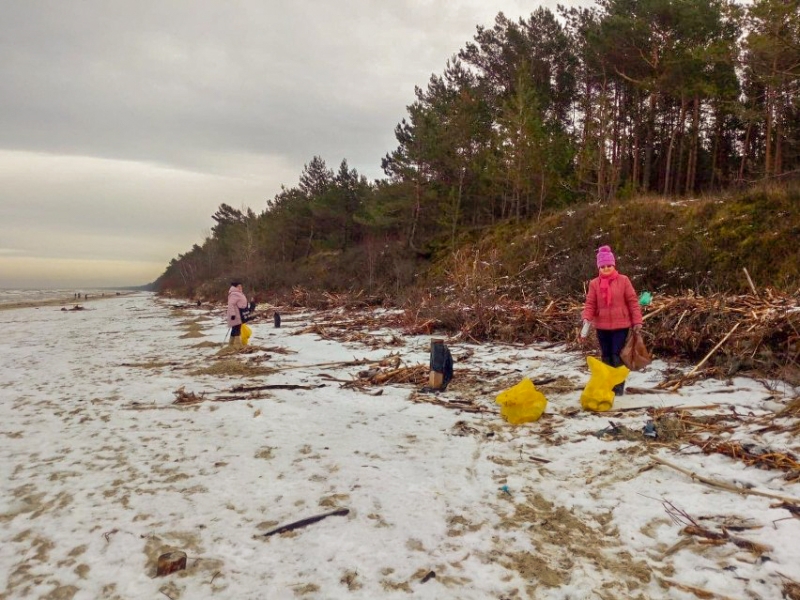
[[699, 592], [339, 512], [714, 349], [274, 386], [750, 281], [462, 405], [724, 485], [692, 527]]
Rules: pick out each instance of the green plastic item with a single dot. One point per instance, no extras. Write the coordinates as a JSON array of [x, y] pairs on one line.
[[645, 298]]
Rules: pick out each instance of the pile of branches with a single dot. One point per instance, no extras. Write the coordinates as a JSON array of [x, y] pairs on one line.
[[392, 374], [353, 331], [761, 333], [301, 297]]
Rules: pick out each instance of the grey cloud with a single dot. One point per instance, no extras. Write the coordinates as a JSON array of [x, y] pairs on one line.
[[135, 119], [157, 80]]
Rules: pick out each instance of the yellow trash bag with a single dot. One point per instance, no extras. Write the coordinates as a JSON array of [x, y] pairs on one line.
[[598, 394], [521, 403], [246, 333]]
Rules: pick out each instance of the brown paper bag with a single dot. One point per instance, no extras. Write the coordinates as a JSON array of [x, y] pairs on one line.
[[635, 355]]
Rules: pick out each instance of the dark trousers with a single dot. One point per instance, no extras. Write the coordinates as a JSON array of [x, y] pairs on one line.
[[236, 330], [612, 341]]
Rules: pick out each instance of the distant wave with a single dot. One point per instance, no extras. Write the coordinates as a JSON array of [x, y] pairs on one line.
[[13, 296]]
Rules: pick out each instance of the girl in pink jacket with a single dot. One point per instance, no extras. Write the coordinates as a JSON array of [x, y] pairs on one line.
[[612, 307], [237, 302]]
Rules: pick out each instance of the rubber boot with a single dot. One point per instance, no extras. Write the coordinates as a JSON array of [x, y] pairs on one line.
[[236, 341], [619, 389]]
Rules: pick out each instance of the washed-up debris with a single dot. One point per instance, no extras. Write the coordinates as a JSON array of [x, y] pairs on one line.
[[693, 528], [752, 455], [721, 334], [154, 364], [389, 372], [461, 404], [273, 386], [73, 309], [791, 589], [339, 512], [170, 562], [184, 397], [694, 590], [359, 329], [724, 485]]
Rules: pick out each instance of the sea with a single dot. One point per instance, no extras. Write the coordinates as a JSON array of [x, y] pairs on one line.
[[13, 296]]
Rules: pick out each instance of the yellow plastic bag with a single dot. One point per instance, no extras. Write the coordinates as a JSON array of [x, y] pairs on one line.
[[246, 333], [521, 403], [598, 394]]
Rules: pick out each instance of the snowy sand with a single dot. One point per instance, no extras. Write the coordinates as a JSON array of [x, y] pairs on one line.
[[102, 473]]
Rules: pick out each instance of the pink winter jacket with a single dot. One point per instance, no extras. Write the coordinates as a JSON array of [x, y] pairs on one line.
[[624, 311], [236, 300]]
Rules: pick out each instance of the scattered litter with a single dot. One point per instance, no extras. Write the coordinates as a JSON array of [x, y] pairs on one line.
[[428, 576], [521, 403], [170, 562]]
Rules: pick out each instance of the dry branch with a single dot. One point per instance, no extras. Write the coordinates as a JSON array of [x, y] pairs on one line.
[[692, 527], [723, 485], [339, 512]]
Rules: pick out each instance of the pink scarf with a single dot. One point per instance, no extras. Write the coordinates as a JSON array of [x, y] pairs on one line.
[[605, 285]]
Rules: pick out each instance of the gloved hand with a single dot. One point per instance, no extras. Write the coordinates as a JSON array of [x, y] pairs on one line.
[[637, 328], [585, 330]]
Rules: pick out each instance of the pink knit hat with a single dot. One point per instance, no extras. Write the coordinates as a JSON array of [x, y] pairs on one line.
[[605, 257]]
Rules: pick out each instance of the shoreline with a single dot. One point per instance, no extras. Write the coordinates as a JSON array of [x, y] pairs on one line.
[[65, 301]]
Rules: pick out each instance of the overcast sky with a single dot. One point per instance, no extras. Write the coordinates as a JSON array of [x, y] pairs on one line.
[[125, 123]]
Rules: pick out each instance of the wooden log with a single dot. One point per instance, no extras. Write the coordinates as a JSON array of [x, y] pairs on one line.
[[170, 562], [340, 512]]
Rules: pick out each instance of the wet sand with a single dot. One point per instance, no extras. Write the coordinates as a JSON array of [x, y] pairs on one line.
[[68, 302]]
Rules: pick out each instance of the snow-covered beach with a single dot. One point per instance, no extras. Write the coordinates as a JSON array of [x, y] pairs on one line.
[[102, 472]]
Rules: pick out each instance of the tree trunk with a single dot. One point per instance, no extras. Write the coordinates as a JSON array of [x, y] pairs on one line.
[[602, 122], [648, 143], [715, 151], [778, 158], [768, 133], [675, 131], [745, 149], [691, 168], [636, 148]]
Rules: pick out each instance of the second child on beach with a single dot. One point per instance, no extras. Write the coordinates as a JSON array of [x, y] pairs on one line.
[[237, 302]]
